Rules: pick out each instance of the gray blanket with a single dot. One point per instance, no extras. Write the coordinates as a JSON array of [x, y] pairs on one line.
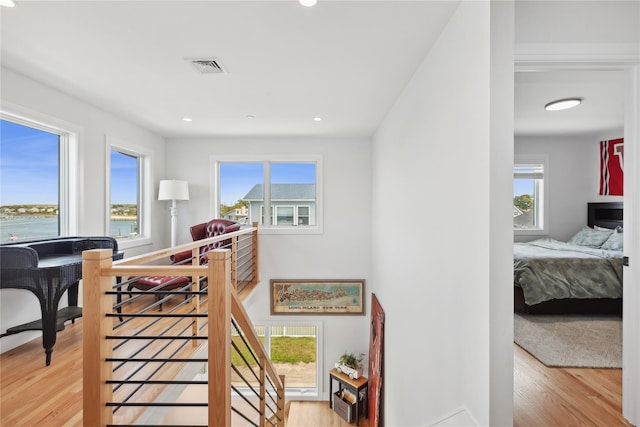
[[548, 269]]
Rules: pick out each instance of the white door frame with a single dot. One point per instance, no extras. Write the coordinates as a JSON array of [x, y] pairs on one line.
[[615, 57]]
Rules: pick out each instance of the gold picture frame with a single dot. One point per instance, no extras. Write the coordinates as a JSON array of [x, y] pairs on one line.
[[317, 296]]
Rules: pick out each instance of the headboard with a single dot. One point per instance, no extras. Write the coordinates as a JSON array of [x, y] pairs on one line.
[[605, 214]]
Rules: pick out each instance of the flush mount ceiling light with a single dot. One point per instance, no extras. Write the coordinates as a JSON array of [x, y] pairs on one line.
[[317, 119], [308, 3], [187, 119], [10, 3], [563, 104]]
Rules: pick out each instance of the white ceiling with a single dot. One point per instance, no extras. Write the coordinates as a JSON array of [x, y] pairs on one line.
[[602, 107], [344, 61]]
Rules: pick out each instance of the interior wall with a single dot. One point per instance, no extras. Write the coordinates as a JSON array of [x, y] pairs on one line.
[[432, 152], [501, 234], [573, 178], [28, 98], [631, 294], [342, 251]]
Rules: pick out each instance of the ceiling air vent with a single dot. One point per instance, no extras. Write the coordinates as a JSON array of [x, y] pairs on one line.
[[208, 66]]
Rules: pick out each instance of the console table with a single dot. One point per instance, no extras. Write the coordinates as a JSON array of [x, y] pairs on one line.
[[354, 386], [48, 268]]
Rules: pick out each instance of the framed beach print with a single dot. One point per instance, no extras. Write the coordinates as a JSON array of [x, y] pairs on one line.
[[317, 296]]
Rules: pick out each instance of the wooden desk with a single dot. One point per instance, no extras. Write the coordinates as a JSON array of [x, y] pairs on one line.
[[354, 386]]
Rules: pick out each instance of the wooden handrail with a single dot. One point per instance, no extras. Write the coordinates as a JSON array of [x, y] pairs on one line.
[[222, 306], [167, 252]]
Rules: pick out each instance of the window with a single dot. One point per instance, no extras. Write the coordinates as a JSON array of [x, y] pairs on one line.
[[295, 349], [303, 215], [35, 181], [529, 196], [125, 195], [128, 194], [284, 215], [281, 195]]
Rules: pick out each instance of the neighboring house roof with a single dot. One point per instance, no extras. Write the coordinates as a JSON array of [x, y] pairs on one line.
[[283, 192], [523, 221]]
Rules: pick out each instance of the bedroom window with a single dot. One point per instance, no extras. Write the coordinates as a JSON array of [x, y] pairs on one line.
[[283, 194], [529, 197]]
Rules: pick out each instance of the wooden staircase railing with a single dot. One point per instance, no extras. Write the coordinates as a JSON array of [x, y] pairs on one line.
[[198, 361]]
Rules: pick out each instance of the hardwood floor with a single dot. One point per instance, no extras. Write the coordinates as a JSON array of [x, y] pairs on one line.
[[315, 414], [32, 394], [564, 396]]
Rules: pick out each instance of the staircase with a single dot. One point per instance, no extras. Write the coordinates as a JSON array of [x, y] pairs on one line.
[[175, 366]]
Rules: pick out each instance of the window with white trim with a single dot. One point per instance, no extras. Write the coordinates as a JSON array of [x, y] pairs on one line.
[[282, 194], [529, 201], [36, 182], [128, 194], [294, 347], [125, 195]]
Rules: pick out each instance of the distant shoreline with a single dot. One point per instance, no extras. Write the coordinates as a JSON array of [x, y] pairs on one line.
[[113, 217], [124, 218]]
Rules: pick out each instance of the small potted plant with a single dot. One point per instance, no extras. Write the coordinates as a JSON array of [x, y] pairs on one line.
[[351, 365]]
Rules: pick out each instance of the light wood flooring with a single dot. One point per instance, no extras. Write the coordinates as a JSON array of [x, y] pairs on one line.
[[32, 394]]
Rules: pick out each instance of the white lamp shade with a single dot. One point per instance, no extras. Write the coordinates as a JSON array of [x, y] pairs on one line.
[[173, 190]]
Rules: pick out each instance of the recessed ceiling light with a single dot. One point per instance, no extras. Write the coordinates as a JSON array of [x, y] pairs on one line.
[[317, 119], [187, 119], [250, 116], [308, 3], [7, 3], [563, 104]]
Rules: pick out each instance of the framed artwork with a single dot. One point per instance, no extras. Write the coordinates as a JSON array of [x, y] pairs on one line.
[[376, 353], [317, 296], [612, 167]]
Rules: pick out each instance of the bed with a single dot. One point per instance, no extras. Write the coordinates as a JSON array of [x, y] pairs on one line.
[[580, 276]]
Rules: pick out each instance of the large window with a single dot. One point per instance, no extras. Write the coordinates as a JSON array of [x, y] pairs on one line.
[[34, 180], [280, 195], [128, 193], [529, 196]]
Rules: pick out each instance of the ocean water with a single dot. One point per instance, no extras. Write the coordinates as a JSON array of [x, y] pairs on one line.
[[26, 227]]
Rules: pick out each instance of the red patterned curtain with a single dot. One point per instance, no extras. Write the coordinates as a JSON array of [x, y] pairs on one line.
[[611, 167]]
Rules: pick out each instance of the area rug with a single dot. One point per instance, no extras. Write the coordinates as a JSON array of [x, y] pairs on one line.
[[571, 341]]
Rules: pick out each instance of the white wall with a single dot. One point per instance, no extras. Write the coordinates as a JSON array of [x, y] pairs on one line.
[[342, 251], [501, 235], [432, 153], [573, 178], [20, 95]]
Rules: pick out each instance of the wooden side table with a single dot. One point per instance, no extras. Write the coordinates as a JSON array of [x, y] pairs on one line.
[[354, 386]]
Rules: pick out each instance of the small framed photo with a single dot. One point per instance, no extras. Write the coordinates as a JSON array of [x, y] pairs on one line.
[[317, 296]]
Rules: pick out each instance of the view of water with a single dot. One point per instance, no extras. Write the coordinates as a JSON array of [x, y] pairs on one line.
[[26, 227]]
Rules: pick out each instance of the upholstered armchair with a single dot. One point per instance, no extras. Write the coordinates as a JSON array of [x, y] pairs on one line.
[[212, 228], [205, 230]]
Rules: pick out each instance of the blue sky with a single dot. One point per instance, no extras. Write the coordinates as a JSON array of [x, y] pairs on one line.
[[29, 171], [124, 178], [28, 165], [29, 168], [236, 179], [522, 186]]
